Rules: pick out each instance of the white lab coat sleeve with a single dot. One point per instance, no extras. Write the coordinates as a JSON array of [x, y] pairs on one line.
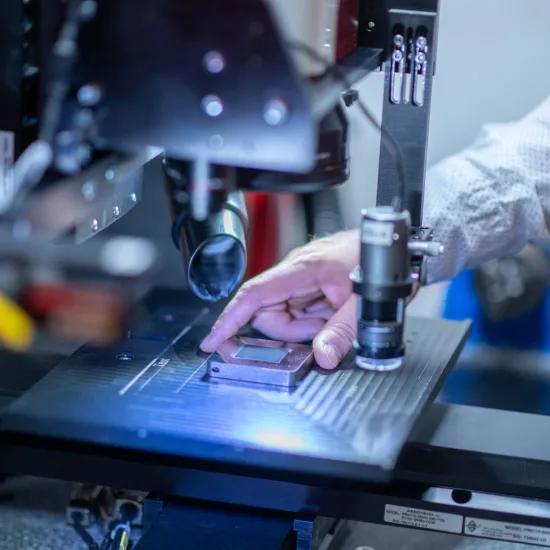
[[493, 198]]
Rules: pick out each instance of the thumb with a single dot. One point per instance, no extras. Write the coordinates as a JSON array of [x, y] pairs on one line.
[[333, 343]]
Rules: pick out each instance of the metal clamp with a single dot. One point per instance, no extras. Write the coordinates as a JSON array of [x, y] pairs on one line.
[[421, 247], [397, 72], [420, 70]]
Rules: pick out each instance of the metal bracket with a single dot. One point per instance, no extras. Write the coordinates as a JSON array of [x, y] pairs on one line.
[[408, 69], [420, 70], [397, 70]]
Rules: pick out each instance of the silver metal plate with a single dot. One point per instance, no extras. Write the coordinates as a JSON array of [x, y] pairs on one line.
[[259, 361]]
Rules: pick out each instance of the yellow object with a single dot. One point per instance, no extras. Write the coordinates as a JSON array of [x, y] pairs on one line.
[[16, 326], [124, 541]]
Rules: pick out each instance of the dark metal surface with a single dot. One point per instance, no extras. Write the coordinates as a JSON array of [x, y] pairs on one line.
[[19, 372], [306, 497], [481, 450], [150, 394], [166, 74], [470, 448], [201, 527], [84, 204], [331, 168]]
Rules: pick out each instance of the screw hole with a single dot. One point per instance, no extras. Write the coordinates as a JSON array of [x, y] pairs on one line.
[[460, 496]]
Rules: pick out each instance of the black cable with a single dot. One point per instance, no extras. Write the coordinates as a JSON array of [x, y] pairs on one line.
[[64, 55], [82, 532], [35, 160], [386, 138], [106, 543]]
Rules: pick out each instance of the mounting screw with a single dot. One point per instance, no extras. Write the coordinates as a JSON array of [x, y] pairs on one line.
[[94, 225], [420, 58], [116, 211], [89, 95], [216, 141], [88, 191], [212, 105], [88, 9], [110, 174], [214, 62], [275, 112], [422, 41]]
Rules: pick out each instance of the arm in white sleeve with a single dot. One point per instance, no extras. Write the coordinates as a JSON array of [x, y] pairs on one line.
[[493, 198]]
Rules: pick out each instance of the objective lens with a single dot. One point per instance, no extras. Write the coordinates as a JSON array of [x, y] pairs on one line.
[[380, 365], [382, 283]]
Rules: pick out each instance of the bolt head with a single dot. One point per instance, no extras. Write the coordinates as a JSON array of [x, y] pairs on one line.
[[89, 191], [88, 10], [212, 105], [276, 112], [89, 95], [214, 62], [216, 141], [397, 56], [420, 58]]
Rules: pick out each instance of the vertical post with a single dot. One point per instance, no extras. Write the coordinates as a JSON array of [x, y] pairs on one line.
[[410, 30]]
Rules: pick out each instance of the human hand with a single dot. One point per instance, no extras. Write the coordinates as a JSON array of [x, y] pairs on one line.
[[307, 296]]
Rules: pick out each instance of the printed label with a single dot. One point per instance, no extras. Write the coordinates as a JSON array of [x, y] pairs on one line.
[[513, 532], [6, 166], [377, 233], [423, 519]]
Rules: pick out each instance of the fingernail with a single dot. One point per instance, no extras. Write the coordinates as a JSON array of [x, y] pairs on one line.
[[332, 354], [205, 344]]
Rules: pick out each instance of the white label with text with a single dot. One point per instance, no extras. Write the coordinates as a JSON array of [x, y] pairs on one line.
[[423, 519], [512, 532]]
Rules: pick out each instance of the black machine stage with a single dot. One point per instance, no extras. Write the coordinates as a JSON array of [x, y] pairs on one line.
[[349, 445], [152, 393]]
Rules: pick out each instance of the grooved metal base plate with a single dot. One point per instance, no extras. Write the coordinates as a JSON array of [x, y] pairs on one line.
[[152, 393]]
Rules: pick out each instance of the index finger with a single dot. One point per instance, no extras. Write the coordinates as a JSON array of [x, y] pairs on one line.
[[275, 286]]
